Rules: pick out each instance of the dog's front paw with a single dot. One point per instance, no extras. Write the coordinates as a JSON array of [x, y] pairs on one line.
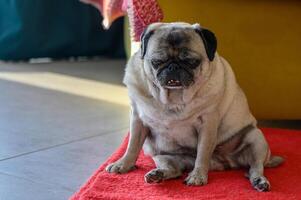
[[120, 167], [196, 178]]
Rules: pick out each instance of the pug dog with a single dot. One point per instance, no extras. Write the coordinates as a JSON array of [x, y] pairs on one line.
[[188, 111]]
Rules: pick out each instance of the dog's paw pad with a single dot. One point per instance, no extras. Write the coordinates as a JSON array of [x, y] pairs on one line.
[[154, 176], [261, 184]]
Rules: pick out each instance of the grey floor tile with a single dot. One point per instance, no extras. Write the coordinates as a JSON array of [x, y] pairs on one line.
[[32, 118], [67, 166], [52, 141], [13, 188]]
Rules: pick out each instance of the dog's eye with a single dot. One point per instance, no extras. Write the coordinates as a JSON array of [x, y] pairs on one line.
[[195, 62], [192, 62], [156, 63]]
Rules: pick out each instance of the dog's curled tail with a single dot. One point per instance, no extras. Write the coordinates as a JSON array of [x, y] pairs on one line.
[[274, 161]]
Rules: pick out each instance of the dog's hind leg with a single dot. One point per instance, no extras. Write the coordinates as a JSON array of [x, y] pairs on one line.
[[255, 155], [168, 167]]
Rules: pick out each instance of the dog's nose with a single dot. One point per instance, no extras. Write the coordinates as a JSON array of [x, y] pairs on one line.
[[173, 67]]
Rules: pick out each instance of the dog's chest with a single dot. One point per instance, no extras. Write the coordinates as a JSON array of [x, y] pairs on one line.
[[169, 134]]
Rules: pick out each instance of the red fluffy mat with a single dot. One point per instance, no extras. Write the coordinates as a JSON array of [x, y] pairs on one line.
[[285, 179]]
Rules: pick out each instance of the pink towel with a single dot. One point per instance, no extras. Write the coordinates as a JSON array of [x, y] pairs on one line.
[[141, 13]]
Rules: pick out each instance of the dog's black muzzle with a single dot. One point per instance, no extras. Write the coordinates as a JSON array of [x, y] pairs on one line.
[[175, 76]]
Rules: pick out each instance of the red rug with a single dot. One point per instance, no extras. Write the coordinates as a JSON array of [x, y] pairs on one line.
[[231, 185]]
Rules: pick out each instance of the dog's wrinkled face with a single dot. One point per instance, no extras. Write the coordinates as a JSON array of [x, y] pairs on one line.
[[174, 53]]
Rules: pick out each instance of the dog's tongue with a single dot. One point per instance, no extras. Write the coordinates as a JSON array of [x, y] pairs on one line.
[[141, 13]]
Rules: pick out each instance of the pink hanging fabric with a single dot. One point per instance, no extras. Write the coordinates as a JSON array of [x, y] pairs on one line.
[[140, 12]]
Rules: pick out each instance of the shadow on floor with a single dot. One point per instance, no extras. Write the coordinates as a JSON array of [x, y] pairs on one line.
[[287, 124]]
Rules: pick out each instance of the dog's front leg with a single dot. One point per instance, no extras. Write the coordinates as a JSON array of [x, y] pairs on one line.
[[138, 133], [207, 136]]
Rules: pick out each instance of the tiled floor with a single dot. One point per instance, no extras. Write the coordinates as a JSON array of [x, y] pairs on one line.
[[51, 137], [58, 123]]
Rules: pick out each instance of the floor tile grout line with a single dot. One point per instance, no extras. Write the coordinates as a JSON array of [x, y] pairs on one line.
[[37, 182], [28, 131], [62, 144]]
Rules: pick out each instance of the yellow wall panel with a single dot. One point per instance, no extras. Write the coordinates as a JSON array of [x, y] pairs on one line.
[[262, 42]]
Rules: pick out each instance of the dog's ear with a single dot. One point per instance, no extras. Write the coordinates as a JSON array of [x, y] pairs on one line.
[[144, 38], [209, 40]]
